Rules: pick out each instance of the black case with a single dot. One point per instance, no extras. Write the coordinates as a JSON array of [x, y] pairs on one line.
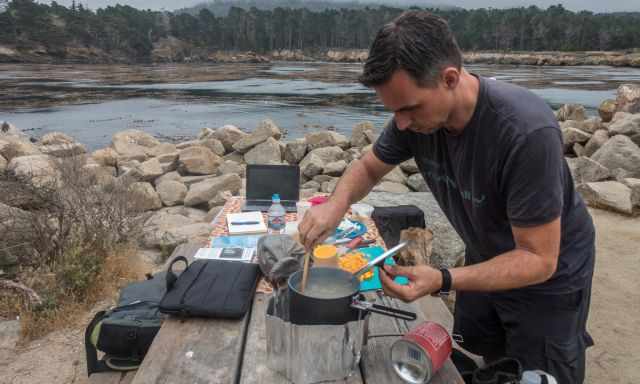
[[210, 288], [390, 221]]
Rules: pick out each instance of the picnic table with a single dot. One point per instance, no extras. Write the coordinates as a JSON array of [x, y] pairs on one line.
[[234, 351]]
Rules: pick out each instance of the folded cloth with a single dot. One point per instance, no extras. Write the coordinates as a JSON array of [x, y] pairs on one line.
[[278, 257]]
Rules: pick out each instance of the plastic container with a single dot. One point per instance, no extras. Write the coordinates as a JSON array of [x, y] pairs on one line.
[[302, 207], [361, 210], [325, 255], [276, 216]]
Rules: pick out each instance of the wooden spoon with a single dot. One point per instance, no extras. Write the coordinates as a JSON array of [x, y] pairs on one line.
[[305, 272]]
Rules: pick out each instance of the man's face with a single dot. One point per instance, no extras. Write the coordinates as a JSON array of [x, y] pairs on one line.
[[419, 109]]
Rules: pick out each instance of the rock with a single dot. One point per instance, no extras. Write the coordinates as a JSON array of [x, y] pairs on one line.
[[395, 176], [336, 168], [326, 139], [329, 186], [619, 152], [265, 129], [628, 98], [214, 145], [295, 151], [350, 155], [571, 112], [627, 124], [578, 149], [149, 170], [234, 156], [55, 138], [322, 178], [190, 180], [267, 152], [63, 150], [358, 134], [193, 214], [205, 133], [107, 157], [571, 136], [173, 176], [586, 170], [311, 184], [162, 149], [147, 198], [9, 337], [170, 227], [16, 146], [229, 166], [606, 110], [607, 195], [172, 192], [38, 168], [8, 129], [313, 163], [228, 135], [219, 199], [125, 167], [283, 147], [168, 161], [388, 186], [591, 125], [133, 144], [212, 214], [202, 192], [410, 166], [634, 185], [417, 183], [596, 141], [448, 248], [198, 161], [366, 149], [3, 164]]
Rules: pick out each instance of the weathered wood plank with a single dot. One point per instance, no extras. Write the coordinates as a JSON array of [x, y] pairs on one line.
[[383, 331], [254, 365]]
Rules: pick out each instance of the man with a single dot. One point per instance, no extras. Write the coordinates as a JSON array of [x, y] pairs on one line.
[[492, 155]]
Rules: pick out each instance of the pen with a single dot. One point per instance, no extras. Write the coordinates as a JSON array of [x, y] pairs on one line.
[[245, 222]]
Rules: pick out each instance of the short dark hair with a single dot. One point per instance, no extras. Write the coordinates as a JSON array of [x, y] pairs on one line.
[[418, 42]]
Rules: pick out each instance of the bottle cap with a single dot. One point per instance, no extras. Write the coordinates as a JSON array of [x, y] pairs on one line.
[[275, 197]]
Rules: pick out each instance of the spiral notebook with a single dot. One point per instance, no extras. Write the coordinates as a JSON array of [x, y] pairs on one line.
[[243, 223]]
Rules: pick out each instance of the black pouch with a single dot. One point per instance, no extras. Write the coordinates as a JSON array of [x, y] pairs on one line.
[[392, 220], [210, 288]]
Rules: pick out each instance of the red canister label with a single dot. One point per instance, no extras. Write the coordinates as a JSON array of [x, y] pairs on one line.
[[434, 339]]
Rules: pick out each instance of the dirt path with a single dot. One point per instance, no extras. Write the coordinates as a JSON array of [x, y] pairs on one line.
[[614, 320]]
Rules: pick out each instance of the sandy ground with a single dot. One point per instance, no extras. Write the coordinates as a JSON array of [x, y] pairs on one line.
[[614, 320]]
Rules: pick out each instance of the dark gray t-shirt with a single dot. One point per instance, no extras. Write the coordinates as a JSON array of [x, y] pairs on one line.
[[506, 168]]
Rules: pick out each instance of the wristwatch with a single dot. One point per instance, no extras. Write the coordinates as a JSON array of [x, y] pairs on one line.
[[445, 289]]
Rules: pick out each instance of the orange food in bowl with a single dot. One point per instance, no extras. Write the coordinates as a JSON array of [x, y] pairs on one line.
[[353, 261], [325, 255]]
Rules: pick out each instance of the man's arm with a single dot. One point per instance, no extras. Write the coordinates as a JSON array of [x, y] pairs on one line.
[[320, 221], [534, 260]]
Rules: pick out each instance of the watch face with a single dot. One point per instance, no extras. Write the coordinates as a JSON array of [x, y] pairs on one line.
[[232, 253]]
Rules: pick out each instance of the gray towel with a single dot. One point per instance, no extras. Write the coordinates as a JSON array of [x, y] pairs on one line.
[[279, 256]]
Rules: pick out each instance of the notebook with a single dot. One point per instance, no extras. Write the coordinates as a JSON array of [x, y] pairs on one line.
[[227, 253], [245, 223]]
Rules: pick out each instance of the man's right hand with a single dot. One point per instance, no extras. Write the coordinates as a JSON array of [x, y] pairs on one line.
[[320, 222]]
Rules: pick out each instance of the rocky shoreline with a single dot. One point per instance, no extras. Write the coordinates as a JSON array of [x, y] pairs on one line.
[[184, 185], [172, 50]]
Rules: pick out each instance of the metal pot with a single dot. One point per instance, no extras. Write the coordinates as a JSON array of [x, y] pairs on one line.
[[310, 310]]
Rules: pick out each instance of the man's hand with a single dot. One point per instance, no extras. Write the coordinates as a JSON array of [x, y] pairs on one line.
[[319, 222], [423, 280]]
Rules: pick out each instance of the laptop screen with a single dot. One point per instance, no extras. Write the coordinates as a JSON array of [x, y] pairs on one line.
[[265, 180]]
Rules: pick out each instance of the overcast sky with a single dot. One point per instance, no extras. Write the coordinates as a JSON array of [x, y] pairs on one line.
[[574, 5]]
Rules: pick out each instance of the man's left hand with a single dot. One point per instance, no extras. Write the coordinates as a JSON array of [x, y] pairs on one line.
[[423, 280]]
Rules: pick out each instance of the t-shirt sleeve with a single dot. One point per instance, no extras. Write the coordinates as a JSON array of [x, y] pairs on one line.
[[533, 179], [392, 147]]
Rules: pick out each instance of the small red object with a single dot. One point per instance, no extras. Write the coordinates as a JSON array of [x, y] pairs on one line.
[[318, 200]]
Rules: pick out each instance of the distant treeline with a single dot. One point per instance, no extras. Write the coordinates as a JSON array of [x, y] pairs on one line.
[[25, 23]]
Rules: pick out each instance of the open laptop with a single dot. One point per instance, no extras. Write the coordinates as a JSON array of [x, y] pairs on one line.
[[264, 180]]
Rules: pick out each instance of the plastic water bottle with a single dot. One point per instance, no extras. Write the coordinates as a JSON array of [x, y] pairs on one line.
[[276, 216], [537, 377]]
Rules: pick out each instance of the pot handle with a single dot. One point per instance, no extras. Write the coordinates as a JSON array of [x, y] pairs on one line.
[[383, 310]]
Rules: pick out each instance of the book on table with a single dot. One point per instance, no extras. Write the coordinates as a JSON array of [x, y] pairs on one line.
[[232, 253], [246, 223]]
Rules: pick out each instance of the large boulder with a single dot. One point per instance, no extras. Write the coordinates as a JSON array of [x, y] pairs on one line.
[[162, 149], [314, 162], [133, 144], [202, 192], [149, 170], [294, 151], [329, 186], [229, 166], [586, 170], [214, 145], [173, 176], [627, 124], [106, 157], [38, 168], [220, 199], [448, 248], [359, 136], [610, 195], [628, 98], [336, 168], [267, 152], [16, 146], [168, 161], [388, 186], [395, 176], [229, 135], [8, 129], [326, 139], [146, 198], [634, 185], [198, 161], [591, 125], [417, 183], [410, 166], [595, 142], [571, 112], [619, 152], [3, 163], [63, 150], [55, 138], [172, 192], [170, 227], [606, 110], [572, 135], [266, 129]]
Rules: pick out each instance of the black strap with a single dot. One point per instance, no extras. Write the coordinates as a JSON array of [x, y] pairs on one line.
[[445, 289], [93, 364], [171, 276]]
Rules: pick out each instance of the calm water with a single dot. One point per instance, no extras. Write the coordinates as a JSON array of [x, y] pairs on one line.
[[93, 102]]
